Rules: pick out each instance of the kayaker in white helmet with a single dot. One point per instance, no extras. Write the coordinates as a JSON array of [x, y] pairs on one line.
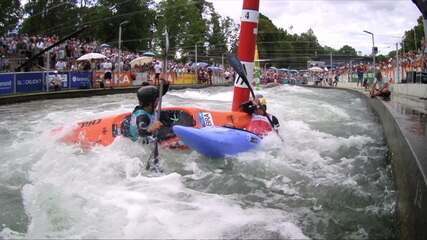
[[142, 123], [259, 122]]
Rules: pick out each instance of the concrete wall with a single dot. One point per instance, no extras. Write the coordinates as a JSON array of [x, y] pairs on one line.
[[408, 173], [417, 90], [410, 183]]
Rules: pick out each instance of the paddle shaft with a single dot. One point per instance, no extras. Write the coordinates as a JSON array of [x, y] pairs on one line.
[[159, 107]]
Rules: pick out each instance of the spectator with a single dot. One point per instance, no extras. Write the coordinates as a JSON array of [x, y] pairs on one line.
[[61, 65], [107, 67], [360, 71], [336, 79], [157, 71], [380, 89]]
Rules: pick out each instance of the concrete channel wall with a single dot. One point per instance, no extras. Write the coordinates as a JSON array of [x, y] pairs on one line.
[[408, 171], [408, 176]]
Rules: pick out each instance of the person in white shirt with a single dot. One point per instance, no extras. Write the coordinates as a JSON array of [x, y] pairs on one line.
[[60, 65], [157, 71], [107, 67]]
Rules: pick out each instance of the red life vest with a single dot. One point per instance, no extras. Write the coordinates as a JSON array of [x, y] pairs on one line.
[[259, 125]]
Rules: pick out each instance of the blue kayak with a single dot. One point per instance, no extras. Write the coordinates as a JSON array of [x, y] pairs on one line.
[[217, 142]]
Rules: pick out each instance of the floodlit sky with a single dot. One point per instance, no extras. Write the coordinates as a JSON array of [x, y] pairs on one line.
[[337, 22]]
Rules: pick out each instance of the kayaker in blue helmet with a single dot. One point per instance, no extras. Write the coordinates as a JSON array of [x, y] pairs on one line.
[[259, 122], [142, 123]]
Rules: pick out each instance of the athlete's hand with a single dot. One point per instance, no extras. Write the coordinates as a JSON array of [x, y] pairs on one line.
[[155, 126]]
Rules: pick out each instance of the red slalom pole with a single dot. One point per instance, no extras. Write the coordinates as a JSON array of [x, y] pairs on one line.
[[246, 51]]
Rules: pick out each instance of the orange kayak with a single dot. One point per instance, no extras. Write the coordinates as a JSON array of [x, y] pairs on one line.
[[103, 131]]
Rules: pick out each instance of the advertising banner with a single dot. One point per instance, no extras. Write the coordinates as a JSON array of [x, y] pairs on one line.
[[80, 79], [124, 79], [6, 84], [29, 82], [186, 78], [53, 78]]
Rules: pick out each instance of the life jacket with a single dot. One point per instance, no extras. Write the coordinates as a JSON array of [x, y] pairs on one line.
[[260, 125], [133, 127]]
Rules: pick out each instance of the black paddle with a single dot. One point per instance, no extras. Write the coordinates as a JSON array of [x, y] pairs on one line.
[[155, 153], [238, 67]]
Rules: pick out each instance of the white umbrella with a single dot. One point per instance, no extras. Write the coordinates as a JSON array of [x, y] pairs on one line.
[[315, 69], [141, 61], [149, 54], [91, 56]]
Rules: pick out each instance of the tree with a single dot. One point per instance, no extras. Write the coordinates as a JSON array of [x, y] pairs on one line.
[[49, 17], [10, 13], [346, 50], [184, 23], [413, 37], [137, 34], [220, 35]]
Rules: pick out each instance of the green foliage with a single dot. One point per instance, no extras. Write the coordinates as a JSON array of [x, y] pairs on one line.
[[413, 37], [10, 13], [136, 34], [49, 17], [346, 50], [189, 23], [184, 24], [283, 49], [381, 58]]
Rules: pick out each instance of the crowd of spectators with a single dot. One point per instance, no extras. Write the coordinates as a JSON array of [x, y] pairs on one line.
[[274, 75], [408, 62], [16, 49]]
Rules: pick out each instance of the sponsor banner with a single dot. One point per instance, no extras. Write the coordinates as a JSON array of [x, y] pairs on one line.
[[52, 77], [185, 78], [29, 82], [97, 78], [122, 80], [80, 79], [206, 119], [6, 84]]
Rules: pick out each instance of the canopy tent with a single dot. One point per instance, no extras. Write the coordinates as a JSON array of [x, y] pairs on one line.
[[199, 65], [91, 56], [315, 69], [104, 45], [141, 61], [149, 54], [216, 69]]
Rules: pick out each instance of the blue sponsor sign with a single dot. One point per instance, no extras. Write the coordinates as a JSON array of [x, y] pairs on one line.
[[80, 79], [6, 84], [29, 82]]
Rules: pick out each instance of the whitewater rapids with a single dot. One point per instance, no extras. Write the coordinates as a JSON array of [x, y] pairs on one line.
[[331, 179]]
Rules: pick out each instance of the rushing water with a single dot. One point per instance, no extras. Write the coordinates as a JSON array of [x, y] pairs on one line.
[[330, 179]]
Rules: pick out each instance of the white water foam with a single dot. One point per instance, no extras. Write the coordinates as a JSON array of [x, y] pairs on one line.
[[100, 194], [203, 95]]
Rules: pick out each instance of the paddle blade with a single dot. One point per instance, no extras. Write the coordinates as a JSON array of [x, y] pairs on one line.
[[237, 65], [239, 69]]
